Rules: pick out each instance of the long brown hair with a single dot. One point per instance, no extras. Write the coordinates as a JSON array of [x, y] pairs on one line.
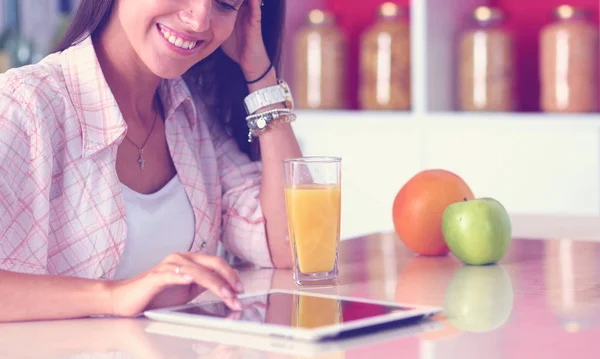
[[218, 77]]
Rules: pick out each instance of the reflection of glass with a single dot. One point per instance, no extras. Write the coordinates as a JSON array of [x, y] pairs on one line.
[[313, 312], [309, 311], [313, 200], [570, 276], [479, 298]]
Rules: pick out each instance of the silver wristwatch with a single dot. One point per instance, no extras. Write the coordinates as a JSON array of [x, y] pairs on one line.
[[268, 96]]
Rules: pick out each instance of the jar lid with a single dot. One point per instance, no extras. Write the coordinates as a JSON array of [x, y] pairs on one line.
[[487, 13], [320, 17], [566, 12], [391, 10]]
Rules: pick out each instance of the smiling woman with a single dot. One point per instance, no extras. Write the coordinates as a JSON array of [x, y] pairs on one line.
[[125, 160], [220, 74]]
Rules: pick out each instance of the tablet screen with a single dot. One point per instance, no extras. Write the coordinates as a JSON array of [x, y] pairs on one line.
[[295, 310]]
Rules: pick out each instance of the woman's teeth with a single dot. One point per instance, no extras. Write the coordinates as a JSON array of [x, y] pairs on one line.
[[177, 41]]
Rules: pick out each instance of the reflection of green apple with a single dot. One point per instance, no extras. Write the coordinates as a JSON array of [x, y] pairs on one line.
[[477, 231], [479, 299]]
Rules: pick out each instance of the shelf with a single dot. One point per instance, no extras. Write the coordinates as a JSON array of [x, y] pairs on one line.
[[435, 27], [443, 22]]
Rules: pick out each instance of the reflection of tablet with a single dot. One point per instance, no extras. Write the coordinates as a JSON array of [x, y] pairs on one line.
[[294, 315], [205, 341]]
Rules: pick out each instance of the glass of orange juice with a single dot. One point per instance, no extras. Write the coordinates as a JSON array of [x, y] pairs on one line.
[[313, 203]]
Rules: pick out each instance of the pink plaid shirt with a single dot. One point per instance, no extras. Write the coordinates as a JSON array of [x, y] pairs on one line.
[[61, 207]]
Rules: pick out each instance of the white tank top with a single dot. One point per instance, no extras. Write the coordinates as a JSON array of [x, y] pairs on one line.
[[158, 224]]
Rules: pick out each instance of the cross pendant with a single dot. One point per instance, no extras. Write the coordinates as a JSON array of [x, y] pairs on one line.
[[141, 160]]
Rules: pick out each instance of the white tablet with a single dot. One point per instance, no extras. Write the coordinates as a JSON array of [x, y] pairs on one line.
[[295, 315]]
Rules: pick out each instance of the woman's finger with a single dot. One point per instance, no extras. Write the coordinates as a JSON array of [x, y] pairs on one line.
[[208, 279], [235, 315], [219, 265], [255, 9]]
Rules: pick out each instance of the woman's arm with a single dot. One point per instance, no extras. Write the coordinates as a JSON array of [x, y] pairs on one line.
[[43, 297], [175, 281], [246, 47], [276, 145]]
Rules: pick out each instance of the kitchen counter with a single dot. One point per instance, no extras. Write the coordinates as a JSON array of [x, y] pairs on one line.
[[542, 300]]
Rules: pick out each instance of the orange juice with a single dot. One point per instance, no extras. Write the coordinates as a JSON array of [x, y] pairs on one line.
[[312, 312], [314, 225]]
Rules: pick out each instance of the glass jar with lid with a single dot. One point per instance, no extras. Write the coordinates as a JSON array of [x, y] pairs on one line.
[[569, 62], [320, 63], [486, 63], [384, 77]]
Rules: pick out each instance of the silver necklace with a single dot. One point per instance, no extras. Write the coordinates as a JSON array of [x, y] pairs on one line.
[[141, 161]]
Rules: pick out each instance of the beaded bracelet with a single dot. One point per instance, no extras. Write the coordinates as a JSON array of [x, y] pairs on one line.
[[275, 119], [258, 115]]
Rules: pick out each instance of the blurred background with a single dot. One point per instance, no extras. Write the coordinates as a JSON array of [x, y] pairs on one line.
[[505, 93]]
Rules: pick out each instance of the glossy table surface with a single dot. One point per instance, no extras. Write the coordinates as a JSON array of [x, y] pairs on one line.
[[541, 301]]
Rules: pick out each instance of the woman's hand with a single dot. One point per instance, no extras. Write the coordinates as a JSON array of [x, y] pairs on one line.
[[245, 45], [175, 281]]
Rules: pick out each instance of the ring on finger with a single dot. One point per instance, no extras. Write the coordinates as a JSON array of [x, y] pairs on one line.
[[178, 270]]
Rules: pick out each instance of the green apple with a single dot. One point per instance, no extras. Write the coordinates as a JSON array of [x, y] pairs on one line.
[[479, 298], [477, 231]]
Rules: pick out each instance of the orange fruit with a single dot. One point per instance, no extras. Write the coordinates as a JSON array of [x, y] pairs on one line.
[[418, 208]]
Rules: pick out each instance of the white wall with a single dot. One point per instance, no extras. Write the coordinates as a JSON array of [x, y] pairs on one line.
[[533, 164]]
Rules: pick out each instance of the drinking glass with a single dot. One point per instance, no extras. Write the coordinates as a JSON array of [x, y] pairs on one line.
[[313, 203]]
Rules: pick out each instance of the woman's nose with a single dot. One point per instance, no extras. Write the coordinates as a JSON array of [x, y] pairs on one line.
[[197, 15]]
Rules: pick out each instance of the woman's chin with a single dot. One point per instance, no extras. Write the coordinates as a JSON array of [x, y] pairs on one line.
[[169, 72]]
